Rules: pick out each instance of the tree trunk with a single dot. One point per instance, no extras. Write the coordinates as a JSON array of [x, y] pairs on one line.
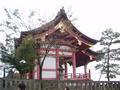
[[41, 76], [108, 62], [31, 74], [41, 63], [21, 75], [40, 72]]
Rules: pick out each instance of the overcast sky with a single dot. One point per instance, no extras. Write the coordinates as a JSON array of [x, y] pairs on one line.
[[93, 16]]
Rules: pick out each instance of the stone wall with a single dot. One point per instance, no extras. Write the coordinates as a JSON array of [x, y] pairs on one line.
[[12, 84]]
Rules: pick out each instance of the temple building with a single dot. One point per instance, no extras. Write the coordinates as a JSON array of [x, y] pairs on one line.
[[65, 45]]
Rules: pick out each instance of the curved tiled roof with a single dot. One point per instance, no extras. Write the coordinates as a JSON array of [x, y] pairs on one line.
[[61, 15]]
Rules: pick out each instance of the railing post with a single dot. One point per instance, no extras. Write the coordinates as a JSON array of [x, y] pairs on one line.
[[3, 83], [74, 65], [22, 86], [66, 70], [89, 74]]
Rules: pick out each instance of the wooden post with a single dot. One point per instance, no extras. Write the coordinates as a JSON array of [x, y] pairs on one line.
[[66, 70], [38, 72], [74, 65], [89, 74], [85, 69], [57, 64]]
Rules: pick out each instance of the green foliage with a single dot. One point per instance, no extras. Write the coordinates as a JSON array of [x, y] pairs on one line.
[[109, 37], [23, 59], [26, 51], [109, 54], [12, 60]]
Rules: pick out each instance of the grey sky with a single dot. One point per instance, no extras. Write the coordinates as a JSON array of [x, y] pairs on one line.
[[93, 16]]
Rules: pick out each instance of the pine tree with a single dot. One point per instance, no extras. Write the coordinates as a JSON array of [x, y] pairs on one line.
[[26, 51], [109, 56], [23, 58]]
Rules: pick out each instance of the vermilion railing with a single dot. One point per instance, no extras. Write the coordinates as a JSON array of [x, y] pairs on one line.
[[78, 76]]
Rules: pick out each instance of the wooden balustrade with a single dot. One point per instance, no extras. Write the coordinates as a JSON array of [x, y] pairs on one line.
[[79, 76], [11, 84]]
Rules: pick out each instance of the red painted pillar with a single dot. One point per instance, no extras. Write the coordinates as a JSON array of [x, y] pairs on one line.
[[66, 70], [57, 64], [74, 65], [38, 72], [85, 69], [31, 75], [89, 74]]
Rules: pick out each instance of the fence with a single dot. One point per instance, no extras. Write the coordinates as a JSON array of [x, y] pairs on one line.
[[11, 84]]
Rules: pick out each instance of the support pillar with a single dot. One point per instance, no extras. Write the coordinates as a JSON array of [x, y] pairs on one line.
[[4, 72], [57, 64], [38, 72], [66, 70], [89, 74], [74, 65], [85, 69]]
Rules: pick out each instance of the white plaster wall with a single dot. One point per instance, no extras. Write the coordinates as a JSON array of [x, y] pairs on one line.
[[35, 72], [35, 75], [50, 52], [65, 48], [45, 46], [65, 53], [49, 63], [35, 68], [49, 74]]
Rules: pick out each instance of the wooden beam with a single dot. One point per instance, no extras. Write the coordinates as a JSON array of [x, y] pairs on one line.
[[47, 32], [78, 37], [88, 54]]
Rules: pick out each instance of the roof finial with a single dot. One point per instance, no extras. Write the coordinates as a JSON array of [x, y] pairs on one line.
[[62, 9], [62, 13]]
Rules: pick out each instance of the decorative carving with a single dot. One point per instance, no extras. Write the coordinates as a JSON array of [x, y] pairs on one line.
[[43, 38]]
